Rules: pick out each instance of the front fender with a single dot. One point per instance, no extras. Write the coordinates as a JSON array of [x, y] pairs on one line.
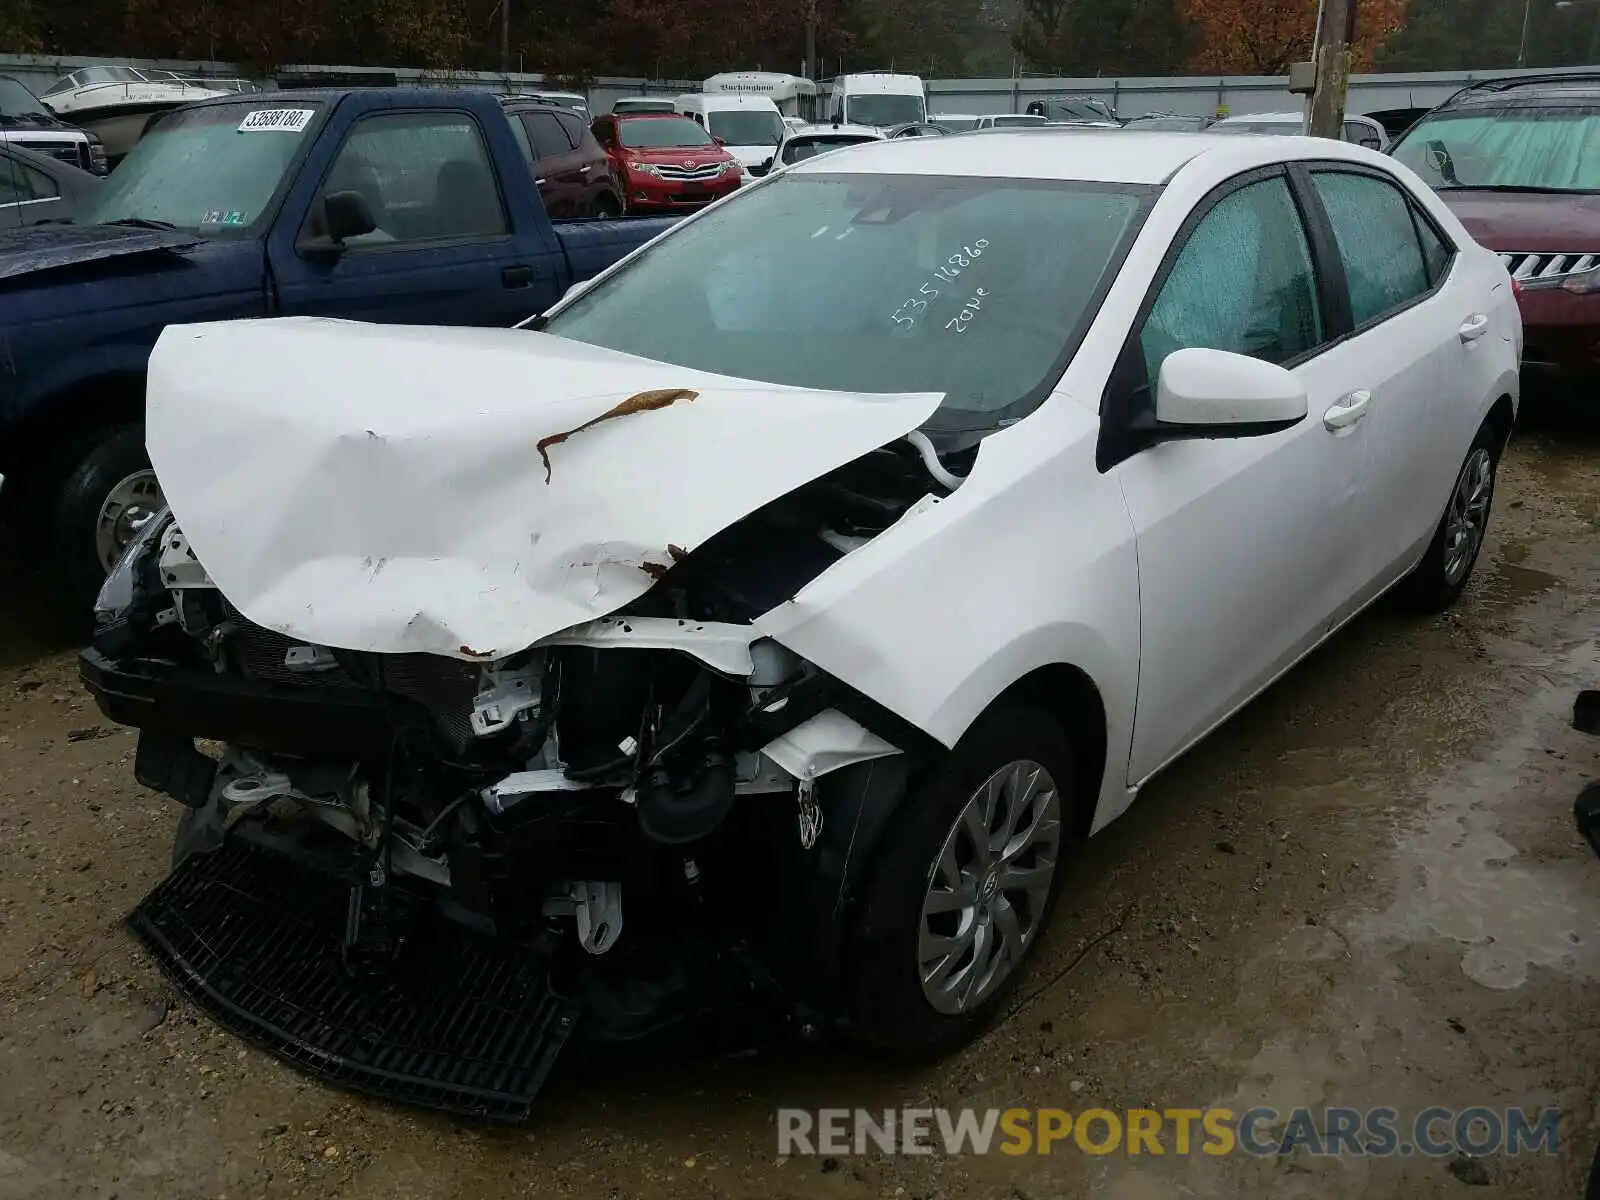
[[1030, 563]]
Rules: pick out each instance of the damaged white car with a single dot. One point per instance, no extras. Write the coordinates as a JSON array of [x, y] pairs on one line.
[[756, 630]]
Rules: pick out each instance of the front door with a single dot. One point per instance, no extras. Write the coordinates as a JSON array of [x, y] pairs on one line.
[[443, 252], [557, 166], [1246, 545]]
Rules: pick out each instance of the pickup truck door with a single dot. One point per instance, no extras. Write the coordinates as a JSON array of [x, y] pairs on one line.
[[445, 250]]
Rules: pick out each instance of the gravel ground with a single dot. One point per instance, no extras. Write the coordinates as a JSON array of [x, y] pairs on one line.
[[1365, 890]]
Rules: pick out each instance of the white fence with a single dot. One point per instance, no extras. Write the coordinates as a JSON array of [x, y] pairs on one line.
[[1127, 96]]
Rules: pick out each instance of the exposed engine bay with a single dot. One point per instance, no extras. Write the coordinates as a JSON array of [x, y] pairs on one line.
[[657, 777]]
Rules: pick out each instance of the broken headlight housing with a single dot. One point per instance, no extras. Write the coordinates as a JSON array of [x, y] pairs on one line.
[[133, 583]]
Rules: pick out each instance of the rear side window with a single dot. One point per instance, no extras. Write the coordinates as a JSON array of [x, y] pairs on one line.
[[573, 128], [549, 138], [1362, 134], [1377, 238], [1243, 282], [1436, 252]]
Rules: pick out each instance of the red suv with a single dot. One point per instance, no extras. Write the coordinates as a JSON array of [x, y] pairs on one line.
[[572, 171], [1518, 160], [666, 163]]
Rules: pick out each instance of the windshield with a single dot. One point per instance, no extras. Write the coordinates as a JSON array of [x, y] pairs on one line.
[[655, 106], [799, 149], [17, 101], [1541, 148], [956, 124], [884, 110], [747, 126], [976, 288], [661, 133], [214, 169], [1017, 119], [91, 75]]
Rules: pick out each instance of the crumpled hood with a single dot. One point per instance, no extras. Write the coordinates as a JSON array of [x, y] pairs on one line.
[[466, 492], [37, 248]]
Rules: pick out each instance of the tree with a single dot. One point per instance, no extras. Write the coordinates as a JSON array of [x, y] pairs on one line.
[[1263, 37], [1103, 37]]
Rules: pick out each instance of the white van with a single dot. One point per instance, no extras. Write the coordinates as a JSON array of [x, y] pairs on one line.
[[878, 98], [749, 127]]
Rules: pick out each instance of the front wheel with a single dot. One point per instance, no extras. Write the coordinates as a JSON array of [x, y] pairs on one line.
[[1438, 580], [606, 208], [108, 495], [966, 880]]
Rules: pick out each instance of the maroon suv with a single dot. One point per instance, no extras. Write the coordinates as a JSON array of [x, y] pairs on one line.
[[1518, 160], [572, 172]]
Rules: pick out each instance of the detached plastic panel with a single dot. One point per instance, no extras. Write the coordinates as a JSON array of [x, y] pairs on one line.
[[460, 1023]]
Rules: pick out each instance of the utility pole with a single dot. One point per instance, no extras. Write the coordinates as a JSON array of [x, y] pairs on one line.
[[505, 37], [1527, 24], [1336, 30]]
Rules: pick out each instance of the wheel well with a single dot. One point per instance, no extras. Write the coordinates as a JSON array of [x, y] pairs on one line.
[[1501, 418], [37, 448], [1070, 696]]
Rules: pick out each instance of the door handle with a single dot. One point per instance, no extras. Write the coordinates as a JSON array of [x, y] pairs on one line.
[[538, 182], [1347, 411], [584, 170], [517, 277], [1473, 328]]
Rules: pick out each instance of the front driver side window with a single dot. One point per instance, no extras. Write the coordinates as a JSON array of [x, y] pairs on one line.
[[1243, 282], [425, 176]]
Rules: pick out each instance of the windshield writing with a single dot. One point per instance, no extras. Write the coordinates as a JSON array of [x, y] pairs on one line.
[[1555, 149], [200, 171], [975, 288], [746, 127], [884, 110], [661, 133]]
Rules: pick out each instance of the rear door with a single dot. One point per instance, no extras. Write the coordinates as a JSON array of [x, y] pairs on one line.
[[28, 195], [443, 251], [594, 178], [559, 171], [1402, 352]]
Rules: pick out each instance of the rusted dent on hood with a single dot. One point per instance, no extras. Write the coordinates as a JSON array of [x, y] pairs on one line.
[[471, 653], [637, 403]]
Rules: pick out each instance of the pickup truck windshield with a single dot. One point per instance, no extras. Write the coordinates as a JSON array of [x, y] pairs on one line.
[[661, 133], [746, 126], [1521, 147], [213, 169], [977, 288], [884, 110]]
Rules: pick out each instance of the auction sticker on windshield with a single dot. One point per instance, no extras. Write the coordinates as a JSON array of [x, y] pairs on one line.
[[281, 120]]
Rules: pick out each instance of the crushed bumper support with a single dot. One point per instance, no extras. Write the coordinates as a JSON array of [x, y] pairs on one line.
[[459, 1023]]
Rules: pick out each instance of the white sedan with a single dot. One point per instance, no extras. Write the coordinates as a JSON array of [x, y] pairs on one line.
[[808, 141], [931, 497]]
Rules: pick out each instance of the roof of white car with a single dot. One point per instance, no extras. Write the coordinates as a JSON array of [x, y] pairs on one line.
[[1076, 153]]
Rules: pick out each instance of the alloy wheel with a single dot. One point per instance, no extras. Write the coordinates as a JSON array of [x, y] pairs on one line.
[[1467, 519], [987, 892]]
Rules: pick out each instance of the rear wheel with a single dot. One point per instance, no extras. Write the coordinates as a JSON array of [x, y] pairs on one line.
[[1438, 580], [963, 888]]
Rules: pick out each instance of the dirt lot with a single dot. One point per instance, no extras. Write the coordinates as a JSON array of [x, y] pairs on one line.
[[1366, 890]]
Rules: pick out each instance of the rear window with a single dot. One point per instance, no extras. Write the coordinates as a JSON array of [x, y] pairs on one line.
[[801, 148]]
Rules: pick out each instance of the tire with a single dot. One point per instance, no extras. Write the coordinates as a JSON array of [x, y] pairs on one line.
[[1438, 580], [108, 469], [606, 208], [891, 1009]]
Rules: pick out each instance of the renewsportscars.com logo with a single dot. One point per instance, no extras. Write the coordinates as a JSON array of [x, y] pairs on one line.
[[1261, 1132]]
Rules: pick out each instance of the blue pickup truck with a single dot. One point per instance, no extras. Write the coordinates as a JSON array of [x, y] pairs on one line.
[[396, 205]]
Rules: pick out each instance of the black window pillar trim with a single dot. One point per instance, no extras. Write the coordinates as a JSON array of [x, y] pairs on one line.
[[1333, 286]]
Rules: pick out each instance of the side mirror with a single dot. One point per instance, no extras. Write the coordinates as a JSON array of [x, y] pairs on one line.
[[1213, 393], [348, 215]]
